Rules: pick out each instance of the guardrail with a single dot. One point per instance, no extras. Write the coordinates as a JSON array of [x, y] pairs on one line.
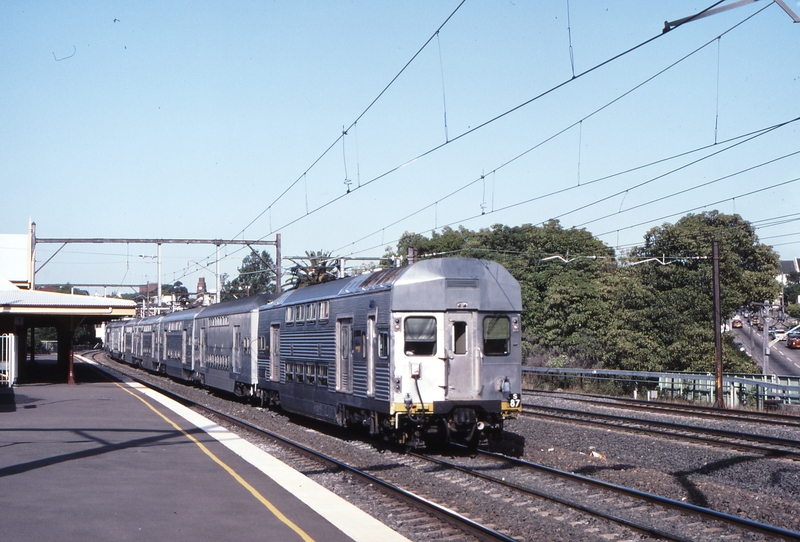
[[755, 390]]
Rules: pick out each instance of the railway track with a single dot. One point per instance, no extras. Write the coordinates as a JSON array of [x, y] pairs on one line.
[[546, 505], [762, 444], [649, 514], [677, 409]]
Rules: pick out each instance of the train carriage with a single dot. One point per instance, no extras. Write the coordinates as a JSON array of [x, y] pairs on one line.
[[147, 343], [225, 335], [407, 352], [179, 343], [410, 353]]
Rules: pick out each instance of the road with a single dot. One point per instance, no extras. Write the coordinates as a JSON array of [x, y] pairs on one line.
[[782, 360]]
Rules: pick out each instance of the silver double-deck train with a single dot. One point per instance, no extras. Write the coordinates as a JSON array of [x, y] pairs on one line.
[[411, 353]]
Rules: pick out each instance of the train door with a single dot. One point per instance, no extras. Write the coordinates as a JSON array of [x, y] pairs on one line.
[[203, 339], [463, 357], [236, 350], [183, 346], [275, 353], [370, 351], [344, 355]]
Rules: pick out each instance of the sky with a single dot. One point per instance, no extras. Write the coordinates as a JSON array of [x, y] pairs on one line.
[[342, 125]]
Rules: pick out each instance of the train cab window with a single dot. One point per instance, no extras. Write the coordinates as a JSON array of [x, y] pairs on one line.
[[420, 336], [496, 335], [383, 344], [459, 338]]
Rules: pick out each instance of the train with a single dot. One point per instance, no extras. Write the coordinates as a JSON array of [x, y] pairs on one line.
[[426, 351]]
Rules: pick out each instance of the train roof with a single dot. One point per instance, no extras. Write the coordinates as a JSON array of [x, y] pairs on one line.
[[457, 283], [182, 314], [443, 283], [236, 306]]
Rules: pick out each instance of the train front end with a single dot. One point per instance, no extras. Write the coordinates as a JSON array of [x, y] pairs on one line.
[[456, 351]]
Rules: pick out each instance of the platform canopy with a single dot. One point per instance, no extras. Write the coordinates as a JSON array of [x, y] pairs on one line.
[[37, 307]]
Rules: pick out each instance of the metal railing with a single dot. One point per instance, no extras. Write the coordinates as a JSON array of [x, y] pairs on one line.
[[8, 359], [754, 390]]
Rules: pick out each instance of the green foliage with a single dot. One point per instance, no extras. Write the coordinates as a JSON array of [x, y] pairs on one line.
[[678, 311], [316, 268], [580, 308], [256, 276]]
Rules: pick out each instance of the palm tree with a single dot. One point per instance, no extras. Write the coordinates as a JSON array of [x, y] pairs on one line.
[[316, 268]]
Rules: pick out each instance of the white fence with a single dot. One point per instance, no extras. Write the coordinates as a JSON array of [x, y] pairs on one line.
[[8, 359], [761, 391]]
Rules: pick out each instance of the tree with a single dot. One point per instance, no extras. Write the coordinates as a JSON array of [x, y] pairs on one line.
[[669, 309], [560, 271], [256, 276], [316, 268]]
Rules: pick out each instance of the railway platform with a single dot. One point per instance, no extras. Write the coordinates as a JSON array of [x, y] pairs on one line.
[[108, 460]]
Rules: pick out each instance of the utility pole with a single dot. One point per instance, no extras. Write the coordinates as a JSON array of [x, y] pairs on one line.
[[720, 401]]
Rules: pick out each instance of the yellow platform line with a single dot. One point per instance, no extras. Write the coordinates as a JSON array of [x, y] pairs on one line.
[[271, 507]]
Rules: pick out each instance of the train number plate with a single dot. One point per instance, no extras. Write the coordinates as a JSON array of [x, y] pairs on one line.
[[514, 401]]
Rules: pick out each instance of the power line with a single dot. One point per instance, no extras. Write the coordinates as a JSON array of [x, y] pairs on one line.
[[463, 134], [745, 194], [750, 135]]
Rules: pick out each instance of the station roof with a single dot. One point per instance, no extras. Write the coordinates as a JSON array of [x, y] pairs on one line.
[[17, 302]]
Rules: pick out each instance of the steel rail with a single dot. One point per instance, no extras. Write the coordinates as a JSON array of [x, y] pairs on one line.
[[744, 523], [530, 491], [677, 429], [680, 409]]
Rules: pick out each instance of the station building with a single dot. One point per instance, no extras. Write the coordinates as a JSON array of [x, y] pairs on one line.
[[24, 309]]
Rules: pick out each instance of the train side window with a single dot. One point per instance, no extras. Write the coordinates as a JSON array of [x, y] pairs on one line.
[[459, 338], [322, 375], [324, 310], [358, 345], [383, 344], [496, 335], [289, 372], [310, 374], [311, 312], [420, 336], [299, 373], [289, 315]]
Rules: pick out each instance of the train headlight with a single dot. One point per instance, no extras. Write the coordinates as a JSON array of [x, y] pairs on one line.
[[505, 386], [407, 401]]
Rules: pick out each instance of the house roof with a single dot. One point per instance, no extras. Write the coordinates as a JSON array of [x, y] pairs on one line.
[[790, 266]]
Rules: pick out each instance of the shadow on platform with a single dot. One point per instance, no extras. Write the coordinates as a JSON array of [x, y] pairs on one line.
[[47, 370]]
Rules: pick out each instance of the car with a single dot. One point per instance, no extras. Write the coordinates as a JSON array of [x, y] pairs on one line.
[[740, 347], [736, 323], [793, 339]]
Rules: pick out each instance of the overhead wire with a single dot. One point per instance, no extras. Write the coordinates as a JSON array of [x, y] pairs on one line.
[[460, 136], [579, 123]]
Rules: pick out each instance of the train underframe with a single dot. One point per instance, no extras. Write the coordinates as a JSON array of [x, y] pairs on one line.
[[470, 425]]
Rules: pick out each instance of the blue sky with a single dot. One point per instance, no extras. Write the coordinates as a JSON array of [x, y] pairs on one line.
[[224, 120]]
